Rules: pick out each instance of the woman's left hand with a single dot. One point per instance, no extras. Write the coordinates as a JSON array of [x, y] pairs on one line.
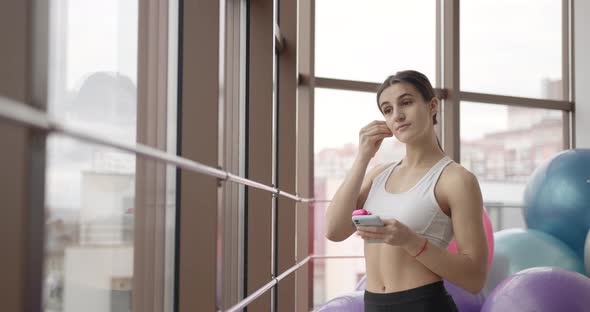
[[393, 233]]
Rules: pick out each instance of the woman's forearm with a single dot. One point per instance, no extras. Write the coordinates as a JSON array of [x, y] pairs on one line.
[[461, 270], [338, 224]]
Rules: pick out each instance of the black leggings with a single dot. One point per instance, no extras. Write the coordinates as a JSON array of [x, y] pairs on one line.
[[431, 297]]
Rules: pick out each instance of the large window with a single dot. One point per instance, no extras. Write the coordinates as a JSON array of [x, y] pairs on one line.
[[90, 199], [512, 98]]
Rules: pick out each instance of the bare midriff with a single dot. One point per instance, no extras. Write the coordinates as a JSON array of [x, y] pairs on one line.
[[391, 269]]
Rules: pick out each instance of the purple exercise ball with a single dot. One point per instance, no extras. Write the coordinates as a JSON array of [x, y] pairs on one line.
[[541, 289], [465, 301]]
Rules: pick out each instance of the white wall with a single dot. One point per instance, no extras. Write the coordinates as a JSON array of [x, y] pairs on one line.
[[582, 71]]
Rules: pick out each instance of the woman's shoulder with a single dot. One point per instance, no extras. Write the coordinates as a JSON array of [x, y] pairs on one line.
[[458, 188], [456, 174]]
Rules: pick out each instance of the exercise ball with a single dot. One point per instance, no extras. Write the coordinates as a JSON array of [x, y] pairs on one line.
[[487, 226], [497, 272], [353, 302], [557, 198], [543, 289], [465, 301], [526, 248], [587, 254]]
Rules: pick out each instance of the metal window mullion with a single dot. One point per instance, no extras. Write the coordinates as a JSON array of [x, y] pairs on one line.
[[451, 79], [222, 132], [341, 84], [304, 146], [38, 51], [244, 138], [438, 128], [515, 101], [151, 253], [274, 205], [565, 71], [352, 85], [565, 50], [171, 146], [232, 288], [569, 5], [438, 44], [242, 234]]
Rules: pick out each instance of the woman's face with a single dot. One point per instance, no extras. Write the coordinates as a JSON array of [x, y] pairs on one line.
[[406, 113]]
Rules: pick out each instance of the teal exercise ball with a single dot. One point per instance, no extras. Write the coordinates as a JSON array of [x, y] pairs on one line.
[[520, 249], [587, 254], [557, 198]]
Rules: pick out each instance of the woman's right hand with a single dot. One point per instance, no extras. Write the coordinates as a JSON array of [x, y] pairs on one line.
[[370, 138]]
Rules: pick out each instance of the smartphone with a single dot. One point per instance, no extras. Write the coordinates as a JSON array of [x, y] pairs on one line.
[[367, 220]]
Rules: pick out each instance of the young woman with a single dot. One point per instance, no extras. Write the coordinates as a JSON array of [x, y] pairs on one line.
[[425, 200]]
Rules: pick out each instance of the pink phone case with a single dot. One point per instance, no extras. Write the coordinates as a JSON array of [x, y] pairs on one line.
[[360, 212]]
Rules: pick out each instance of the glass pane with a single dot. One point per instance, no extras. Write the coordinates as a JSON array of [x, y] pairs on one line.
[[339, 116], [503, 149], [328, 280], [370, 40], [90, 190], [512, 48], [90, 227], [93, 65]]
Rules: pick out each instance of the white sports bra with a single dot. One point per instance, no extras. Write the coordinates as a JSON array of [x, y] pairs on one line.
[[417, 208]]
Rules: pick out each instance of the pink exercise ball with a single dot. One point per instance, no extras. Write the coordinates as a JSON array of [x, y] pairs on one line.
[[487, 226]]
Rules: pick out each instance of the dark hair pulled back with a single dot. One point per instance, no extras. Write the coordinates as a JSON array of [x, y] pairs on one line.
[[416, 79]]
